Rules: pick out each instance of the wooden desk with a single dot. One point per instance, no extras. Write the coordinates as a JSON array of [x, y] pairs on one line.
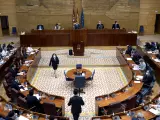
[[119, 95], [148, 58], [91, 37], [71, 73], [4, 112], [58, 100]]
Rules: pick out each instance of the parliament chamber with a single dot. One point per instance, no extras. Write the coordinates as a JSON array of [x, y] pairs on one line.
[[79, 60]]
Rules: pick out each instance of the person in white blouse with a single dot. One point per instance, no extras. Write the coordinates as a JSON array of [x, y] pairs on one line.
[[4, 52], [57, 26], [30, 49]]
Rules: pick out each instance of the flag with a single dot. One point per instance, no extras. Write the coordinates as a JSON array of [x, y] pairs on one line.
[[73, 17], [77, 19], [82, 19]]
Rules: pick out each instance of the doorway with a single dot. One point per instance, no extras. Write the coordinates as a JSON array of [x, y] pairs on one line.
[[157, 24], [4, 25]]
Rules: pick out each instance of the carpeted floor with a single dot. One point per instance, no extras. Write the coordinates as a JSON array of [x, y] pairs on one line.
[[106, 80], [93, 57]]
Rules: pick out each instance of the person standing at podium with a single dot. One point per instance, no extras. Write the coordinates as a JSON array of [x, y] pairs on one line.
[[76, 26], [100, 25], [54, 61], [115, 25], [40, 27]]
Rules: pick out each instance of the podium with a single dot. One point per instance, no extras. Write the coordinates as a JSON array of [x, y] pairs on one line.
[[78, 48]]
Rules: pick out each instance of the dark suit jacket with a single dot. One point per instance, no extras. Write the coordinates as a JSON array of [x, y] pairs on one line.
[[76, 103], [114, 26], [76, 26], [38, 27], [54, 62], [15, 85], [148, 79], [32, 101], [100, 26]]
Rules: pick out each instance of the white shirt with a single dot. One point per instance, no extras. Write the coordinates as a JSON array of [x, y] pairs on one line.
[[30, 49], [4, 53], [142, 66]]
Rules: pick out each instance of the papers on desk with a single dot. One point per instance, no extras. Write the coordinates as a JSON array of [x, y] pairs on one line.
[[137, 81], [32, 53], [37, 96], [129, 58], [28, 61], [149, 51], [139, 77], [22, 118], [21, 73], [156, 60], [136, 67], [154, 111], [25, 89]]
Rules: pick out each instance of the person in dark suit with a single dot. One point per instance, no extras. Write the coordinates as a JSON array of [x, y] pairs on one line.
[[12, 70], [15, 85], [12, 115], [129, 50], [148, 78], [115, 25], [40, 27], [76, 102], [76, 26], [32, 101], [100, 25], [54, 61], [0, 48]]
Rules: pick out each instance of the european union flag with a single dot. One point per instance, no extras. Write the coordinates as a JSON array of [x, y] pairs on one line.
[[82, 19]]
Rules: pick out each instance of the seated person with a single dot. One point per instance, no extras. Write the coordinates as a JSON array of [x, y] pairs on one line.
[[135, 56], [157, 105], [40, 27], [4, 52], [100, 25], [0, 48], [15, 85], [4, 46], [32, 101], [76, 26], [115, 25], [148, 78], [147, 46], [10, 46], [12, 69], [129, 49], [154, 46], [30, 49], [24, 52], [57, 26], [12, 115], [139, 116], [142, 65]]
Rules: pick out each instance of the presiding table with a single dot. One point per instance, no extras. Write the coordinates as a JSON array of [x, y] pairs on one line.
[[90, 37], [72, 73]]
